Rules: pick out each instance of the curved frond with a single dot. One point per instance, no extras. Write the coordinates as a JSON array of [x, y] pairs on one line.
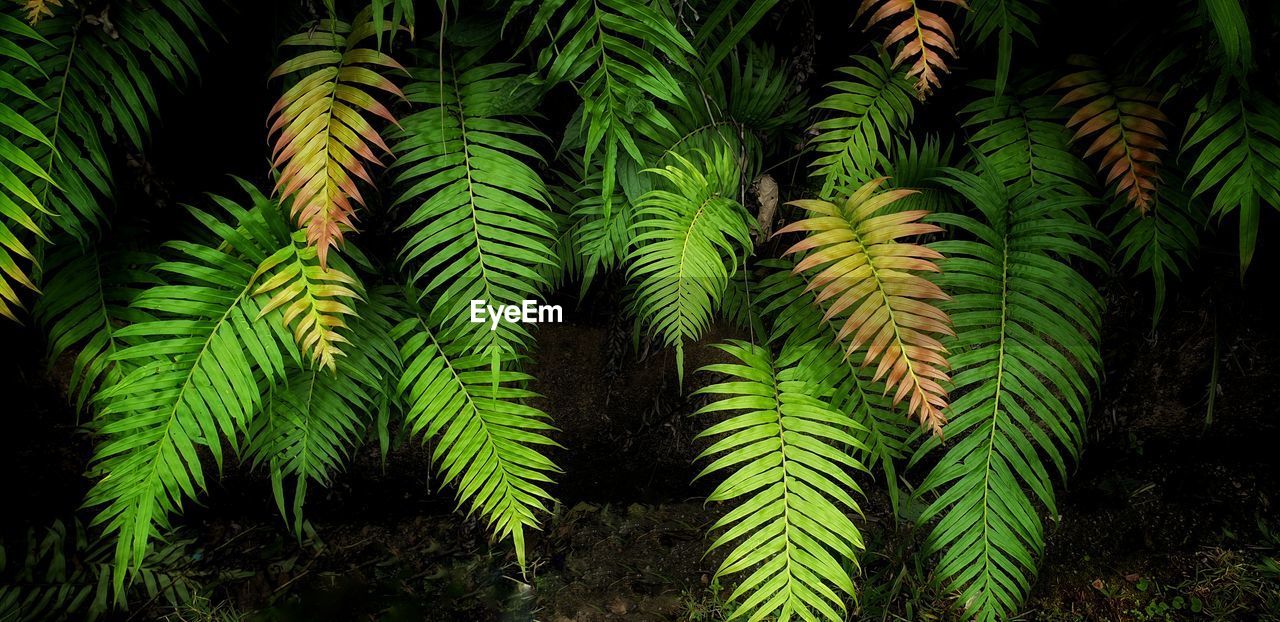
[[866, 272], [1237, 146], [1164, 241], [1024, 366], [870, 108], [1023, 138], [480, 220], [487, 441], [688, 242], [808, 342], [315, 299], [1124, 124], [85, 301], [323, 142], [785, 450], [926, 37], [1002, 19], [198, 366], [610, 49]]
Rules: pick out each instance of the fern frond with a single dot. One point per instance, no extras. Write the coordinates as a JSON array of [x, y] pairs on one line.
[[808, 342], [317, 298], [1162, 242], [323, 142], [1232, 25], [487, 440], [64, 574], [1124, 122], [310, 425], [785, 450], [85, 301], [198, 368], [1024, 367], [926, 37], [612, 47], [688, 241], [480, 224], [1237, 147], [1023, 137], [710, 29], [868, 273], [39, 9], [870, 109], [1003, 19]]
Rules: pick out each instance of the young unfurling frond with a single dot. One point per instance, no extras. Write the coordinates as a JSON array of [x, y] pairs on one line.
[[315, 299], [925, 36], [865, 272], [323, 142], [786, 453]]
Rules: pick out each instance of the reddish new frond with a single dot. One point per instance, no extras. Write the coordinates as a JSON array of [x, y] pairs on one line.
[[925, 36], [1124, 123], [870, 279], [323, 143]]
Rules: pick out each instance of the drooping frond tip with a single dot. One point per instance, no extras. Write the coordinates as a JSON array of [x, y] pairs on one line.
[[322, 139], [39, 9], [925, 36], [1124, 123], [869, 279]]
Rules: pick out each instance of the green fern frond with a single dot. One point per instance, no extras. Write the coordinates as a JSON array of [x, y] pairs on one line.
[[1232, 25], [712, 30], [809, 342], [487, 441], [1163, 242], [785, 448], [19, 203], [64, 574], [480, 223], [86, 300], [1237, 151], [1025, 363], [310, 425], [1023, 138], [869, 109], [688, 240], [1002, 19], [609, 49], [198, 369]]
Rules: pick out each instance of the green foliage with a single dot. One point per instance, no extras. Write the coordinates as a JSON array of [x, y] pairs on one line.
[[1025, 360], [609, 49], [688, 243], [1002, 19], [198, 368], [869, 108], [786, 448], [1237, 151], [479, 219], [486, 439]]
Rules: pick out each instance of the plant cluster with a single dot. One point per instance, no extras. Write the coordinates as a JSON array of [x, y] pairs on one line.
[[928, 307]]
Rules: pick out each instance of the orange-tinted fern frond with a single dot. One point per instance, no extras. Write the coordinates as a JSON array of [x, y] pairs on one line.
[[1124, 122], [39, 9], [871, 280], [925, 36], [325, 142], [314, 298]]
